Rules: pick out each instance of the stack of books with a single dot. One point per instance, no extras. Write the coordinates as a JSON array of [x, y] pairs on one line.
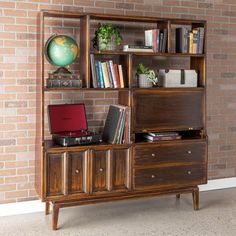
[[137, 48], [157, 39], [190, 41], [106, 74], [161, 136], [117, 125]]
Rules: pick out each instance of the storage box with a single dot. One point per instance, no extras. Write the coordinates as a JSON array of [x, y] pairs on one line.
[[177, 78]]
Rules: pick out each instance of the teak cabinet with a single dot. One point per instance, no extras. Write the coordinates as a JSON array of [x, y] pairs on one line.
[[68, 176]]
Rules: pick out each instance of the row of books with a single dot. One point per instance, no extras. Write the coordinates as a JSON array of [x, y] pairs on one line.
[[161, 136], [190, 41], [117, 125], [106, 74], [157, 39]]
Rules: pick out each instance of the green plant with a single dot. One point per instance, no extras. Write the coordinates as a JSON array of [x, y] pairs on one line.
[[151, 76], [106, 32]]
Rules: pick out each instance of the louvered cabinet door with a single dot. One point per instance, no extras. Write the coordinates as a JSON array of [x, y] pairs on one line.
[[120, 171], [55, 168]]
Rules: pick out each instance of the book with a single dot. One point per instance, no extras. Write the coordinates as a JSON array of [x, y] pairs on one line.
[[163, 138], [161, 134], [101, 79], [110, 74], [113, 73], [122, 85], [181, 40], [190, 42], [117, 125], [105, 75], [160, 41], [164, 42], [195, 40], [93, 71], [148, 37], [137, 48], [117, 75], [200, 40], [112, 124], [97, 75]]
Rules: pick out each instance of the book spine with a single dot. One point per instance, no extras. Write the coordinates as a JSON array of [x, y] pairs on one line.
[[161, 41], [100, 74], [185, 40], [109, 74], [154, 40], [157, 39], [94, 79], [122, 84], [201, 43], [164, 40], [97, 75], [117, 75], [178, 40], [195, 40], [105, 75], [113, 73], [191, 42]]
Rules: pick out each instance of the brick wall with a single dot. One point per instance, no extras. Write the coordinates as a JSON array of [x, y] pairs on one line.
[[18, 81]]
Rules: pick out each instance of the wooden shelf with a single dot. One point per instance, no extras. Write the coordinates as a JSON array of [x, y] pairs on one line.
[[50, 145], [83, 89], [147, 54]]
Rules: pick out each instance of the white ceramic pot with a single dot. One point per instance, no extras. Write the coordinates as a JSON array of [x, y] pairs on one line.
[[143, 81]]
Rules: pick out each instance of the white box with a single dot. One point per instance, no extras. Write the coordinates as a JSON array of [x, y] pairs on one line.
[[177, 78]]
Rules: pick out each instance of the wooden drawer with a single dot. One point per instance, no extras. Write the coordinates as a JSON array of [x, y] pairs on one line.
[[178, 176], [164, 110], [167, 154]]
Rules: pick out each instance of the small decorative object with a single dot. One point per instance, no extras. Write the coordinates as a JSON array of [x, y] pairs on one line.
[[62, 50], [146, 77], [107, 37]]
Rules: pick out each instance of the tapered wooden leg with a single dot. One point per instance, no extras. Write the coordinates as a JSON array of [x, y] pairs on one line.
[[195, 194], [178, 196], [47, 208], [55, 213]]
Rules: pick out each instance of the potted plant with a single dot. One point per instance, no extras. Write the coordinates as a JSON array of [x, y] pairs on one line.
[[146, 76], [107, 37]]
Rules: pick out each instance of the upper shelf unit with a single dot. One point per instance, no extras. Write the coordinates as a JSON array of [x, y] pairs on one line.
[[83, 26]]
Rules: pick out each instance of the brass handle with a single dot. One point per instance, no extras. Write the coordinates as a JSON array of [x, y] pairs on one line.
[[189, 152], [153, 176], [189, 172], [101, 169], [77, 171], [153, 154]]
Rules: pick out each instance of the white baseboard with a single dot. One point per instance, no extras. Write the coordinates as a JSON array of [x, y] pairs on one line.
[[38, 206]]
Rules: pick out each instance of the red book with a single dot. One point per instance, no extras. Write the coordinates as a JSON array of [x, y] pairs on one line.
[[154, 40], [117, 75]]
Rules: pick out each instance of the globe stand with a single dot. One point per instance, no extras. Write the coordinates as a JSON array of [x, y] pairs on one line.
[[62, 73]]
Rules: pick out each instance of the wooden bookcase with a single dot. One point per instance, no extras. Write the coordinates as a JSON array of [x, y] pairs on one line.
[[68, 176]]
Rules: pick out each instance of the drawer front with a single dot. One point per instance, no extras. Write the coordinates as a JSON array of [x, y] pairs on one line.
[[165, 154], [165, 111], [169, 177]]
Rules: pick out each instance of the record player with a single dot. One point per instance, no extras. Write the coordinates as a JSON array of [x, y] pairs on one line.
[[68, 125]]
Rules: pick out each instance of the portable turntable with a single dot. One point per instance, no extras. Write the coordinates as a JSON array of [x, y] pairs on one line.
[[68, 125]]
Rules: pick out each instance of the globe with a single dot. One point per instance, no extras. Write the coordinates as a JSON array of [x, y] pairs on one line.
[[61, 50]]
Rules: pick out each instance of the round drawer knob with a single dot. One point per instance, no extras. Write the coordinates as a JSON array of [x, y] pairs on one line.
[[153, 176], [101, 169], [153, 154], [189, 152], [77, 171], [189, 172]]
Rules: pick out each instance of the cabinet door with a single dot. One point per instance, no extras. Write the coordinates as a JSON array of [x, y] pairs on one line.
[[76, 172], [120, 169], [99, 170], [165, 110], [54, 174]]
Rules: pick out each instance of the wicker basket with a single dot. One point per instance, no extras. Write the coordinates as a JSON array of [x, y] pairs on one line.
[[144, 82]]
